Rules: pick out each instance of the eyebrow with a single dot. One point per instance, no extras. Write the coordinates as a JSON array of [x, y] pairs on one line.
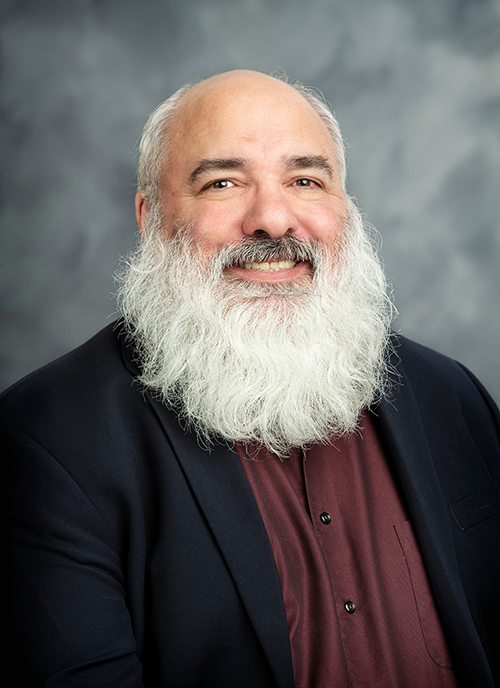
[[210, 164], [293, 162], [310, 161]]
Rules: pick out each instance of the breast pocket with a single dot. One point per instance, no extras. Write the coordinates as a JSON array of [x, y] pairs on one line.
[[477, 507], [430, 624]]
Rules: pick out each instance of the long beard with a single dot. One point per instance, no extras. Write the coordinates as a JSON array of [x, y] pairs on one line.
[[282, 365]]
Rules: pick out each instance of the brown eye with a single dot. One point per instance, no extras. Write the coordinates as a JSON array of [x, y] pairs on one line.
[[221, 184], [304, 182]]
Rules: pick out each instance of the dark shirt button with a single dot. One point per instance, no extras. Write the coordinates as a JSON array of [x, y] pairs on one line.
[[350, 607], [325, 518]]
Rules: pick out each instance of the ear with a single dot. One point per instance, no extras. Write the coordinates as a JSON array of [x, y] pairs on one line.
[[141, 211]]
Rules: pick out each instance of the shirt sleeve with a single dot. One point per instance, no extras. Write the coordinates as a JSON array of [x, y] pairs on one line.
[[64, 618]]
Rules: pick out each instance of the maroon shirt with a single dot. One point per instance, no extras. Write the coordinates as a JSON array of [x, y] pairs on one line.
[[359, 607]]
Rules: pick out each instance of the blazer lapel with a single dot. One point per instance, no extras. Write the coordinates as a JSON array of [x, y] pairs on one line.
[[407, 446], [222, 490]]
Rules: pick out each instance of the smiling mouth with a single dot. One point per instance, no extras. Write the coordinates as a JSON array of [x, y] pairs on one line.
[[272, 259], [271, 266]]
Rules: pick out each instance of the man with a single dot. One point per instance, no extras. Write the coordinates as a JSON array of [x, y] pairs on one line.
[[247, 481]]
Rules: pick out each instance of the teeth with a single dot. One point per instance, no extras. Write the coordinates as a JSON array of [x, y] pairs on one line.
[[276, 265]]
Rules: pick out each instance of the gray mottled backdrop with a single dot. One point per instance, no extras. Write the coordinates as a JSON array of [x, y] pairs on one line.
[[415, 85]]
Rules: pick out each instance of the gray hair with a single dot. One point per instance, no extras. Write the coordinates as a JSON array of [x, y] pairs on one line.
[[154, 144]]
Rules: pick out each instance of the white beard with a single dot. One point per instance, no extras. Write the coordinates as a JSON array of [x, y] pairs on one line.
[[282, 365]]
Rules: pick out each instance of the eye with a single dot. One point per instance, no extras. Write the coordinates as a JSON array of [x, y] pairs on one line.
[[220, 184], [306, 183]]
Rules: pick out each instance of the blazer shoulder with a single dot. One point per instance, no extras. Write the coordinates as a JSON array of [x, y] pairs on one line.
[[78, 370], [420, 357], [85, 392], [432, 370], [446, 393], [85, 413]]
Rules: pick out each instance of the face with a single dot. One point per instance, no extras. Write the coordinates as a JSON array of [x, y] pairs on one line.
[[249, 157]]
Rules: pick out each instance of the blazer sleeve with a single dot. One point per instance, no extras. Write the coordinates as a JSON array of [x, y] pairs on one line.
[[64, 620]]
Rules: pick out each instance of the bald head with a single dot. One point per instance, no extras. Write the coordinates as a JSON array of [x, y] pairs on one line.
[[179, 116], [225, 92]]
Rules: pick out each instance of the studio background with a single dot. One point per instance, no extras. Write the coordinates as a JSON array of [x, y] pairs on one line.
[[415, 86]]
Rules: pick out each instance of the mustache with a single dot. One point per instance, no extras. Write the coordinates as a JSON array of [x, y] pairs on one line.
[[264, 250]]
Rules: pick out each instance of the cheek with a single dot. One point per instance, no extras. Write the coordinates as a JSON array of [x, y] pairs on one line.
[[323, 223], [217, 224]]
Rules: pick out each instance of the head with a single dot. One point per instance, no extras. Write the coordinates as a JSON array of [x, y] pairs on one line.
[[256, 301], [156, 140]]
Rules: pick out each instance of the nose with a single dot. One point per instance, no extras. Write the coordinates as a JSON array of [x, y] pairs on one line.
[[270, 213]]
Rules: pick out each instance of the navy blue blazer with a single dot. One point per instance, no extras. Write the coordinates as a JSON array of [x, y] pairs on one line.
[[132, 557]]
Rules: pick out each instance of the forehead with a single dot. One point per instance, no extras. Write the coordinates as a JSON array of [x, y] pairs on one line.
[[237, 117]]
